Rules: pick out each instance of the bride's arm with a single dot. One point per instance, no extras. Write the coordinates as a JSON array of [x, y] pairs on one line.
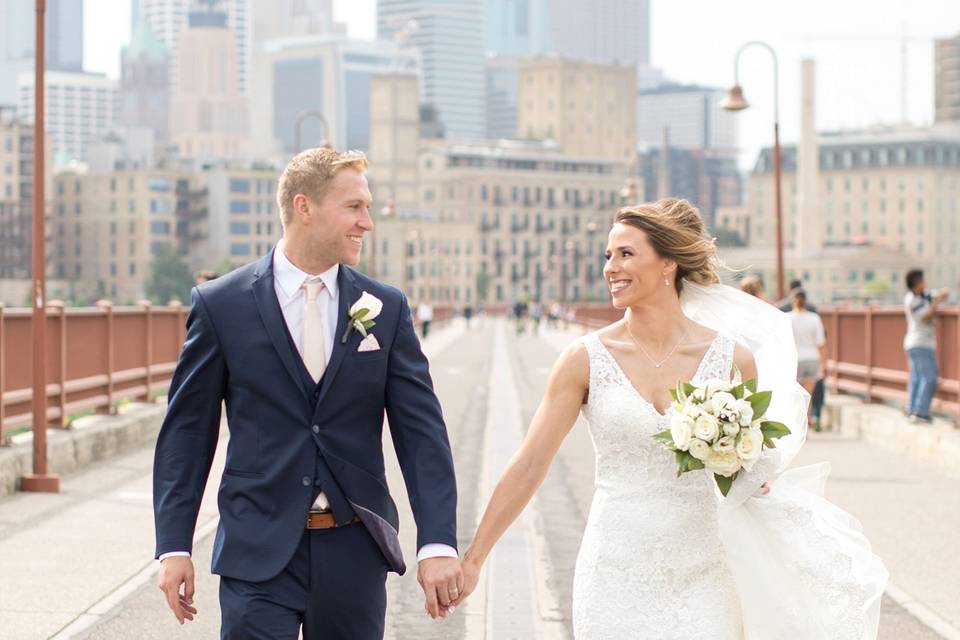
[[556, 415]]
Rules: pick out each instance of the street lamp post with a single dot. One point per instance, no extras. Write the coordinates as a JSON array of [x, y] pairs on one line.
[[298, 125], [39, 480], [734, 101]]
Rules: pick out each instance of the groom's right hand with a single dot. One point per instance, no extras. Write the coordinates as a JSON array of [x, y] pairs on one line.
[[176, 571]]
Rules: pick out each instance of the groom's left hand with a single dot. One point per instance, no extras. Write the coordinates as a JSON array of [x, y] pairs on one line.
[[442, 581]]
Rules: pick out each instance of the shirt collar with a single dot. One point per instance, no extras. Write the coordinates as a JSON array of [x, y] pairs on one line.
[[291, 278]]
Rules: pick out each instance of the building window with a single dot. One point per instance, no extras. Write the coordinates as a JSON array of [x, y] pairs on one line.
[[159, 206], [239, 206], [239, 249], [238, 185], [160, 228], [240, 228], [158, 184]]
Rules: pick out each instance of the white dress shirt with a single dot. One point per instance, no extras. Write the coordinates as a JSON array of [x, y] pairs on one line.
[[288, 282]]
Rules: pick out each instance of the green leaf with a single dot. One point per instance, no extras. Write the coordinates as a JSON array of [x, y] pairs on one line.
[[664, 437], [369, 324], [767, 442], [359, 327], [694, 464], [751, 384], [680, 462], [688, 388], [737, 392], [360, 314], [760, 401], [724, 483], [673, 394], [773, 429]]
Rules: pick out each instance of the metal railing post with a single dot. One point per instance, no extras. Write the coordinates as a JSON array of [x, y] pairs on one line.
[[107, 308], [148, 318], [58, 307]]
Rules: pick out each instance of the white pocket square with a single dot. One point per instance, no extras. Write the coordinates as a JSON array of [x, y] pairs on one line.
[[369, 344]]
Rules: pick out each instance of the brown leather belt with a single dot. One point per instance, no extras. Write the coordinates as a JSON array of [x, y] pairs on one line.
[[325, 520]]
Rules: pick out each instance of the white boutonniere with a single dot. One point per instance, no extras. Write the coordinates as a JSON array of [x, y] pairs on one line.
[[362, 314]]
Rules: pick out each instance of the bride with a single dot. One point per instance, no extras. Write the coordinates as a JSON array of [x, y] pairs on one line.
[[667, 557]]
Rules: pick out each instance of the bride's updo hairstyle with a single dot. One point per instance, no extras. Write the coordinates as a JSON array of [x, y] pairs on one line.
[[676, 231]]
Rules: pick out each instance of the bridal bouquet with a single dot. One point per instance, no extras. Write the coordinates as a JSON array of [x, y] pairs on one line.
[[719, 426]]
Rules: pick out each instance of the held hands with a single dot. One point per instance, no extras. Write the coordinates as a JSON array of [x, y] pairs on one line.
[[442, 582], [941, 295], [174, 571], [471, 576]]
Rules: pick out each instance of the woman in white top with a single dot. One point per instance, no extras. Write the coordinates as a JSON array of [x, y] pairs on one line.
[[811, 342]]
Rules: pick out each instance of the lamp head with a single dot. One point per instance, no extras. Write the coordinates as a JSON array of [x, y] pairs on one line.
[[734, 100]]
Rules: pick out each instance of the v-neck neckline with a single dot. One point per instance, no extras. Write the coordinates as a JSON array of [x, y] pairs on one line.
[[636, 391]]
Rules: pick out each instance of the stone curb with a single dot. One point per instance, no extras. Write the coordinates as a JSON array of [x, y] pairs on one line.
[[88, 440], [935, 446]]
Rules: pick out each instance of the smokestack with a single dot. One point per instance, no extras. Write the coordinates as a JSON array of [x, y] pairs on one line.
[[809, 218], [663, 183]]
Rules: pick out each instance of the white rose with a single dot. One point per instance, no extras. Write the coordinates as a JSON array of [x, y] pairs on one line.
[[699, 449], [715, 385], [700, 394], [369, 302], [749, 447], [681, 430], [722, 402], [745, 409], [692, 411], [706, 427], [724, 463], [731, 428], [724, 444]]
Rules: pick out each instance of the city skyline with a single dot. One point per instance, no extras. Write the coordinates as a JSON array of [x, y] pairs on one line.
[[862, 91]]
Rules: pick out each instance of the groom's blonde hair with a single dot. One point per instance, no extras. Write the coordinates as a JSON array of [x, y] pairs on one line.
[[676, 231], [310, 173]]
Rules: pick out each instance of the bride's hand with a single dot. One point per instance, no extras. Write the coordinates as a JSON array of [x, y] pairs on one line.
[[471, 576]]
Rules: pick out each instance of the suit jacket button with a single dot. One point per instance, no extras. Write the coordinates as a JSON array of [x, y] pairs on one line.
[[306, 481], [316, 428]]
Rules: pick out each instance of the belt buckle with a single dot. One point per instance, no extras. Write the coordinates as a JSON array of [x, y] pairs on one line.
[[315, 511]]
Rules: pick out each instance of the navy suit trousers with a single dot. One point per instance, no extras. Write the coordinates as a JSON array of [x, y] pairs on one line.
[[334, 586]]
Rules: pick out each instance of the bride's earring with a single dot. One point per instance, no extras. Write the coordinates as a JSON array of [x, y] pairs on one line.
[[666, 281]]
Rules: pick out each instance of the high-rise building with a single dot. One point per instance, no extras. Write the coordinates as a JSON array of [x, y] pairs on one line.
[[450, 37], [286, 18], [947, 79], [208, 116], [16, 196], [587, 108], [64, 40], [79, 109], [690, 113], [321, 75], [170, 18], [603, 31], [144, 90], [503, 86]]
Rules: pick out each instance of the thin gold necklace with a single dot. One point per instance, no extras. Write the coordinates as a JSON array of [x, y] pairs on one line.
[[652, 361]]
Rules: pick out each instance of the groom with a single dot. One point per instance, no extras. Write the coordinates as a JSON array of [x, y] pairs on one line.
[[307, 529]]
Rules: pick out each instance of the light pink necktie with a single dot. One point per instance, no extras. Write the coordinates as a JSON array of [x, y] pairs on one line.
[[314, 356]]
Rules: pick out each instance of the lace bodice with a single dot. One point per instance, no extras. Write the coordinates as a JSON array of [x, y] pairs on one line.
[[622, 422], [652, 538]]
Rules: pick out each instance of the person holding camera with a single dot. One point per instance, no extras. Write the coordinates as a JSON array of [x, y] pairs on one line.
[[920, 344]]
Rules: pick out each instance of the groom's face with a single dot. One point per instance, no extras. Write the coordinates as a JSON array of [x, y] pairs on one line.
[[339, 221]]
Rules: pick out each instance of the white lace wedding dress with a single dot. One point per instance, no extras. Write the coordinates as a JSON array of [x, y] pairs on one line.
[[651, 564], [664, 557]]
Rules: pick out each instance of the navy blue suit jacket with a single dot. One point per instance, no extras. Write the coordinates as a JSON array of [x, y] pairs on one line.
[[288, 440]]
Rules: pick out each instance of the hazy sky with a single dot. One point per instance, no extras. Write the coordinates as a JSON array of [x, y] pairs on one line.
[[856, 43]]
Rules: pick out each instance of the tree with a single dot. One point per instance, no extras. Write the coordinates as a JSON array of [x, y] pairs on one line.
[[170, 277], [483, 286]]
